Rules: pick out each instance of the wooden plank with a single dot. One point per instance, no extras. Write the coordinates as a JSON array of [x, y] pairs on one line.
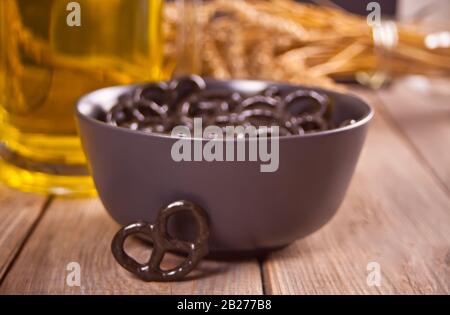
[[395, 214], [81, 231], [424, 118], [18, 213]]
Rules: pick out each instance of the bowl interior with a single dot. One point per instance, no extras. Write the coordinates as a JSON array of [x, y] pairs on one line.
[[345, 106]]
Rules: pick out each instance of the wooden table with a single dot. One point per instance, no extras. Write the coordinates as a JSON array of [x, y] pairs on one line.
[[396, 214]]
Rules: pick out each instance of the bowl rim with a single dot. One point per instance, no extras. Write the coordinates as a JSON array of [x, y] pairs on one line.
[[85, 101]]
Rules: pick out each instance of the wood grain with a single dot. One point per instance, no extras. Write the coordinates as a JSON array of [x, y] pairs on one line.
[[81, 231], [424, 118], [394, 214], [18, 213]]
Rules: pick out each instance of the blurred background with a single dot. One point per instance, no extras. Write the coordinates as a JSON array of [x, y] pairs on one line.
[[311, 42]]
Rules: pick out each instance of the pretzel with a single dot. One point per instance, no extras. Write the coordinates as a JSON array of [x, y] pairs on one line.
[[162, 243]]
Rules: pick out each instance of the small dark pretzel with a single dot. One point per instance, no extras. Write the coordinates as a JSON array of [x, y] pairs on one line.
[[156, 92], [318, 105], [162, 243]]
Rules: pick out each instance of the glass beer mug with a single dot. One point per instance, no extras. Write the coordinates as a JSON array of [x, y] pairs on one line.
[[51, 53]]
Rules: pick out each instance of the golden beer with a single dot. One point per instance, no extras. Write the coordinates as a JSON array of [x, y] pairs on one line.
[[51, 53]]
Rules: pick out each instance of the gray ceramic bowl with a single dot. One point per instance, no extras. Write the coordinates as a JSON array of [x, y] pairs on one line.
[[248, 210]]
